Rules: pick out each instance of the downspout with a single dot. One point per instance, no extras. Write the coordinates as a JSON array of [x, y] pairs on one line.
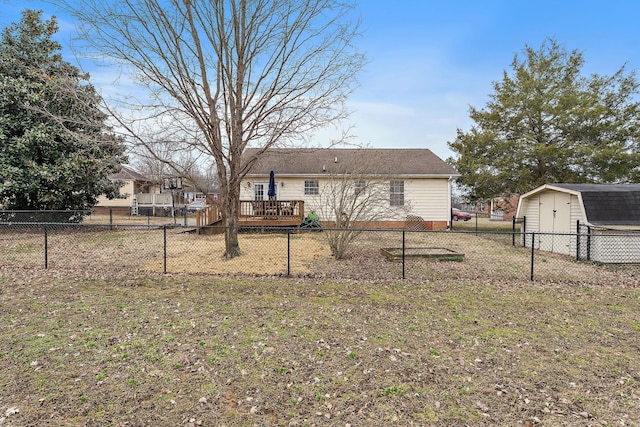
[[449, 206]]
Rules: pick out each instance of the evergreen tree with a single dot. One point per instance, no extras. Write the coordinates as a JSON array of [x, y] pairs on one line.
[[546, 122], [55, 148]]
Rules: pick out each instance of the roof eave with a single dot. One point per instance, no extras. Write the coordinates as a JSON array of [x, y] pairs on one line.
[[325, 175]]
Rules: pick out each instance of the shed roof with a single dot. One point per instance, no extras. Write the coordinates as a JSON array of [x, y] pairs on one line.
[[606, 204], [308, 162]]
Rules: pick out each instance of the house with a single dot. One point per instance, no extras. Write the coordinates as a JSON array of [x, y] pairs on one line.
[[501, 208], [418, 183], [191, 193], [607, 217], [133, 184]]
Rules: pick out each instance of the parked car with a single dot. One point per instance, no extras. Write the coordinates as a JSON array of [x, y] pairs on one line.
[[458, 215], [196, 205]]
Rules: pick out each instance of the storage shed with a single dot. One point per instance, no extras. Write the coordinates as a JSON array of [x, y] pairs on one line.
[[600, 222]]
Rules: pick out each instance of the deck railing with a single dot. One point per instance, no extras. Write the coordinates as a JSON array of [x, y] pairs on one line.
[[208, 215], [272, 209], [154, 199], [290, 212]]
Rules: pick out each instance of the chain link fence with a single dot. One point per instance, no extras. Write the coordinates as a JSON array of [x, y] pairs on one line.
[[36, 216], [179, 216], [105, 249], [608, 246]]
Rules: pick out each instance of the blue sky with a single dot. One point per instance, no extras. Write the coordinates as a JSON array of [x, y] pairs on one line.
[[430, 60]]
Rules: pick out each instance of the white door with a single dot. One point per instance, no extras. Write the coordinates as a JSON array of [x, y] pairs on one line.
[[555, 217], [261, 190]]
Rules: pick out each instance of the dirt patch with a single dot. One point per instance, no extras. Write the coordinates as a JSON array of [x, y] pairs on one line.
[[263, 254]]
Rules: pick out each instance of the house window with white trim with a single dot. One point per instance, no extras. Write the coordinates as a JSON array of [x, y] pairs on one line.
[[311, 187], [396, 193]]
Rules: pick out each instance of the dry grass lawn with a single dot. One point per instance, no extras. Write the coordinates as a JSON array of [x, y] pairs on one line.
[[84, 348], [263, 254], [102, 338], [140, 250]]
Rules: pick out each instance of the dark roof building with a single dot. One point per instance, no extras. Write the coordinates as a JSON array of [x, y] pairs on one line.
[[597, 222], [608, 204], [308, 162], [128, 174], [557, 207]]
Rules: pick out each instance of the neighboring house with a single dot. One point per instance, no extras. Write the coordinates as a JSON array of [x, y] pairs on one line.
[[499, 208], [419, 182], [606, 215], [133, 183], [190, 194]]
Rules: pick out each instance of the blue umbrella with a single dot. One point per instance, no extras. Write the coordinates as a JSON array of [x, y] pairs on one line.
[[272, 186]]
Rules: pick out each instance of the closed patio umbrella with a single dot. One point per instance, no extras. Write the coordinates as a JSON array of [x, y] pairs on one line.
[[272, 186]]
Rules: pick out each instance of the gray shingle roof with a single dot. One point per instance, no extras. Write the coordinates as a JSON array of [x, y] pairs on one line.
[[128, 174], [609, 204], [412, 162]]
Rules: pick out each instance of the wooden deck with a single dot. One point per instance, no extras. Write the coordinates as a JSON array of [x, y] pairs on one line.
[[257, 213]]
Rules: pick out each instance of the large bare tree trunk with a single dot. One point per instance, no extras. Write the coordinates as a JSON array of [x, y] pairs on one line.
[[224, 75], [231, 244], [230, 215]]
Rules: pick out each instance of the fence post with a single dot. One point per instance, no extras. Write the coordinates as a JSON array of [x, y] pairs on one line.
[[523, 230], [288, 252], [403, 249], [589, 243], [110, 219], [533, 245], [476, 222], [578, 240], [46, 248], [513, 230], [164, 245]]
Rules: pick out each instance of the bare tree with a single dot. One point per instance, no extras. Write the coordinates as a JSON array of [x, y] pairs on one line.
[[227, 74], [353, 200], [160, 163]]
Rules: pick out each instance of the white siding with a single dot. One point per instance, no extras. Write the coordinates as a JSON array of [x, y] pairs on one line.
[[532, 213], [576, 213], [427, 198], [544, 215], [553, 215], [127, 190], [575, 216]]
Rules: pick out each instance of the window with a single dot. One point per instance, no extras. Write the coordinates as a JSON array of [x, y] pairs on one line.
[[311, 187], [396, 193], [258, 191], [359, 187]]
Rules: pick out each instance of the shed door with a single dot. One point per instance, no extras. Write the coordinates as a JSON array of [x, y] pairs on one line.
[[555, 217]]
